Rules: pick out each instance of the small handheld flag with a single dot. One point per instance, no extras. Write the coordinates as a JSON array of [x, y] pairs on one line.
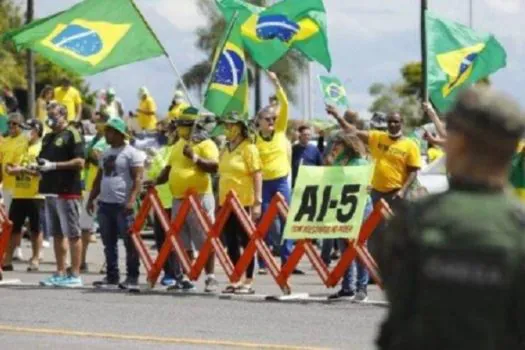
[[333, 91]]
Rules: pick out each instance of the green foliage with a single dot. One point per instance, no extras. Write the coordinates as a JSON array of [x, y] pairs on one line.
[[404, 96], [412, 79], [288, 68], [13, 72], [401, 97]]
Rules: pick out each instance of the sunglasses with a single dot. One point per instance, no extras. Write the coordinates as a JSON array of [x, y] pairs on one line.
[[393, 122], [13, 124], [270, 119]]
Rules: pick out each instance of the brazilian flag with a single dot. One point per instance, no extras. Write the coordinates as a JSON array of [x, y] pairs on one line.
[[457, 57], [228, 87], [269, 33], [90, 37], [334, 91]]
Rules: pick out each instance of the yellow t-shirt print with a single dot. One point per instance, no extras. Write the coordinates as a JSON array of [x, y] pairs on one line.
[[392, 158], [25, 185]]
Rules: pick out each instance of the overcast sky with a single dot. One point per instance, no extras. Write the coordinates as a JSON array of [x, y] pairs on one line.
[[369, 43]]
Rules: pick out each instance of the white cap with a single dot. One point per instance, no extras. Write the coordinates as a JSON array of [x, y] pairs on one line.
[[143, 91], [179, 96]]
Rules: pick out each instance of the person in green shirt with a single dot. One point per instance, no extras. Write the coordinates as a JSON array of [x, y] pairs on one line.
[[349, 150]]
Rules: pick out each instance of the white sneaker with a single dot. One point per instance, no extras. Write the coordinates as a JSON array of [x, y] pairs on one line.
[[46, 244], [361, 296], [17, 255]]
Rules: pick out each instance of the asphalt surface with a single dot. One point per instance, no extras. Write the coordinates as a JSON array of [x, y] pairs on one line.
[[32, 317]]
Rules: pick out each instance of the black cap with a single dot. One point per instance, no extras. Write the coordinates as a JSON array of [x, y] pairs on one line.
[[35, 124]]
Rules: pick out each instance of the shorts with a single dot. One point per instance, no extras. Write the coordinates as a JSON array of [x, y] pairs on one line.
[[192, 231], [7, 198], [87, 222], [63, 216], [22, 209]]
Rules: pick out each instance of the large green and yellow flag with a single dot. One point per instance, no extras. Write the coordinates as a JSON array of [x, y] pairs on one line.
[[268, 33], [228, 87], [90, 37], [457, 57]]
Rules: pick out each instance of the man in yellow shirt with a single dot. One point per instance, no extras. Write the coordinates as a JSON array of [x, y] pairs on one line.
[[27, 202], [193, 158], [68, 96], [146, 113], [177, 105], [397, 161], [274, 150]]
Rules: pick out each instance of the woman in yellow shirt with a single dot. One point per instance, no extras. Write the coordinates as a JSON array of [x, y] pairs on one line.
[[273, 147], [240, 172], [146, 113], [46, 95], [178, 105]]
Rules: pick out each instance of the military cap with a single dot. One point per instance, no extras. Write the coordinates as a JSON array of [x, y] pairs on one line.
[[189, 116], [482, 109]]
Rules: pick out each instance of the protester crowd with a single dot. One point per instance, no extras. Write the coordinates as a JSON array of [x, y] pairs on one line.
[[70, 171]]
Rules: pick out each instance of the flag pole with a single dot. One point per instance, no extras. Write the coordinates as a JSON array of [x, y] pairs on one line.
[[31, 80], [470, 14], [220, 48], [172, 64], [424, 89], [179, 77]]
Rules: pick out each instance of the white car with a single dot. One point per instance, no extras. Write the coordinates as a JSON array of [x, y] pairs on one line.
[[434, 176]]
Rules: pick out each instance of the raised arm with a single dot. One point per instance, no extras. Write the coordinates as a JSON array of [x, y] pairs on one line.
[[431, 112], [347, 127], [282, 117]]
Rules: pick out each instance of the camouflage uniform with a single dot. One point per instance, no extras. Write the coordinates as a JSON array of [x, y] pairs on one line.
[[454, 263]]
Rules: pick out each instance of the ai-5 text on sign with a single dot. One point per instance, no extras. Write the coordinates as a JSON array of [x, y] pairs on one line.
[[328, 202]]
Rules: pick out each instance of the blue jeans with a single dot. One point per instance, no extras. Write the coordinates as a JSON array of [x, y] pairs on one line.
[[351, 281], [274, 236], [115, 222]]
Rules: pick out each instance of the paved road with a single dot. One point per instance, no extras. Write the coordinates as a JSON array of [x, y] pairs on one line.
[[35, 318]]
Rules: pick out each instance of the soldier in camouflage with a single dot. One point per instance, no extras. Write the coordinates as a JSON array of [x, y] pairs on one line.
[[454, 263]]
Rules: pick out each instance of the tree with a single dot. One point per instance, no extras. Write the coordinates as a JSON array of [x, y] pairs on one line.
[[412, 75], [208, 38], [390, 98], [13, 70], [404, 96]]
